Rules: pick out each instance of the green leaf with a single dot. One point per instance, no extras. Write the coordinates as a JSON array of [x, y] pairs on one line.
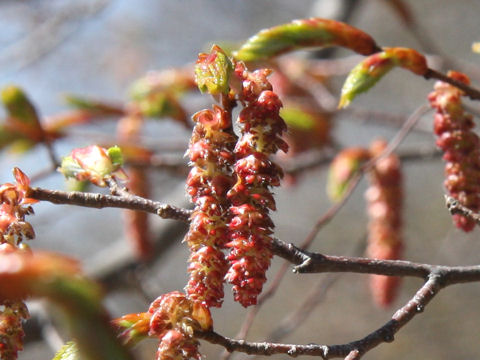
[[300, 34], [69, 351], [297, 118], [212, 71], [115, 155], [93, 106], [19, 106], [367, 73], [343, 168]]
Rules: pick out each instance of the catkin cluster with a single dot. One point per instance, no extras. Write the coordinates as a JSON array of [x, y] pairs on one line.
[[384, 203], [210, 153], [460, 146], [14, 206], [173, 319], [251, 227]]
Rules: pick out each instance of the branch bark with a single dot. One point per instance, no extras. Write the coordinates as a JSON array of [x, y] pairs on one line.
[[99, 201]]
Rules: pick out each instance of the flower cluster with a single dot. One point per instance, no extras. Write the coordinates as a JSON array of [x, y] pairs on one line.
[[210, 152], [15, 205], [251, 198], [11, 330], [174, 318], [460, 146], [384, 198]]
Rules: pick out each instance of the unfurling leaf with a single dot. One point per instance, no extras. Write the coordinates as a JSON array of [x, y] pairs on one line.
[[23, 123], [174, 81], [69, 351], [163, 105], [307, 128], [132, 328], [93, 163], [297, 118], [342, 169], [94, 107], [212, 71], [366, 74], [299, 34], [19, 106]]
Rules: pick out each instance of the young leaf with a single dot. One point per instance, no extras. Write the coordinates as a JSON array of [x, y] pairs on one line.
[[69, 351], [342, 169], [366, 74], [19, 106], [299, 34], [212, 71], [94, 107], [93, 163], [132, 328], [22, 115]]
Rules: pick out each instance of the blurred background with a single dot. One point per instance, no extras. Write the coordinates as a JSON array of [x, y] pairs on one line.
[[98, 48]]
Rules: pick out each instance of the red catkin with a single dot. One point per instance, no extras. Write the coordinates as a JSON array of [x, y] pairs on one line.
[[384, 198], [174, 318], [460, 146], [250, 226], [210, 153]]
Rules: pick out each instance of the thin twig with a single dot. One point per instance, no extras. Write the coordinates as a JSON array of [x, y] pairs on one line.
[[469, 91], [454, 207], [99, 201], [383, 334], [436, 277], [316, 296]]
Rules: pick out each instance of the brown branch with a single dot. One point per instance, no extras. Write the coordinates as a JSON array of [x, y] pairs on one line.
[[308, 262], [352, 350], [438, 277], [293, 320], [99, 201], [454, 207], [469, 91], [315, 297]]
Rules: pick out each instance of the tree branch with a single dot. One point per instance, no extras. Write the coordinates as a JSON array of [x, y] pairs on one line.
[[99, 201], [471, 92], [354, 350], [454, 207]]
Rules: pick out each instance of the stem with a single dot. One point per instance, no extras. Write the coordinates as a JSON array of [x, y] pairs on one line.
[[454, 207], [471, 92], [99, 201]]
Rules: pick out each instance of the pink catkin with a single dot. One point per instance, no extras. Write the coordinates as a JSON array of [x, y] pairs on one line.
[[460, 146], [210, 153], [174, 317], [251, 227], [384, 197]]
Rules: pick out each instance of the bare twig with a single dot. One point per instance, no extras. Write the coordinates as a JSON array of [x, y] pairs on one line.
[[383, 334], [316, 296], [469, 91], [436, 277], [99, 201], [455, 207]]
